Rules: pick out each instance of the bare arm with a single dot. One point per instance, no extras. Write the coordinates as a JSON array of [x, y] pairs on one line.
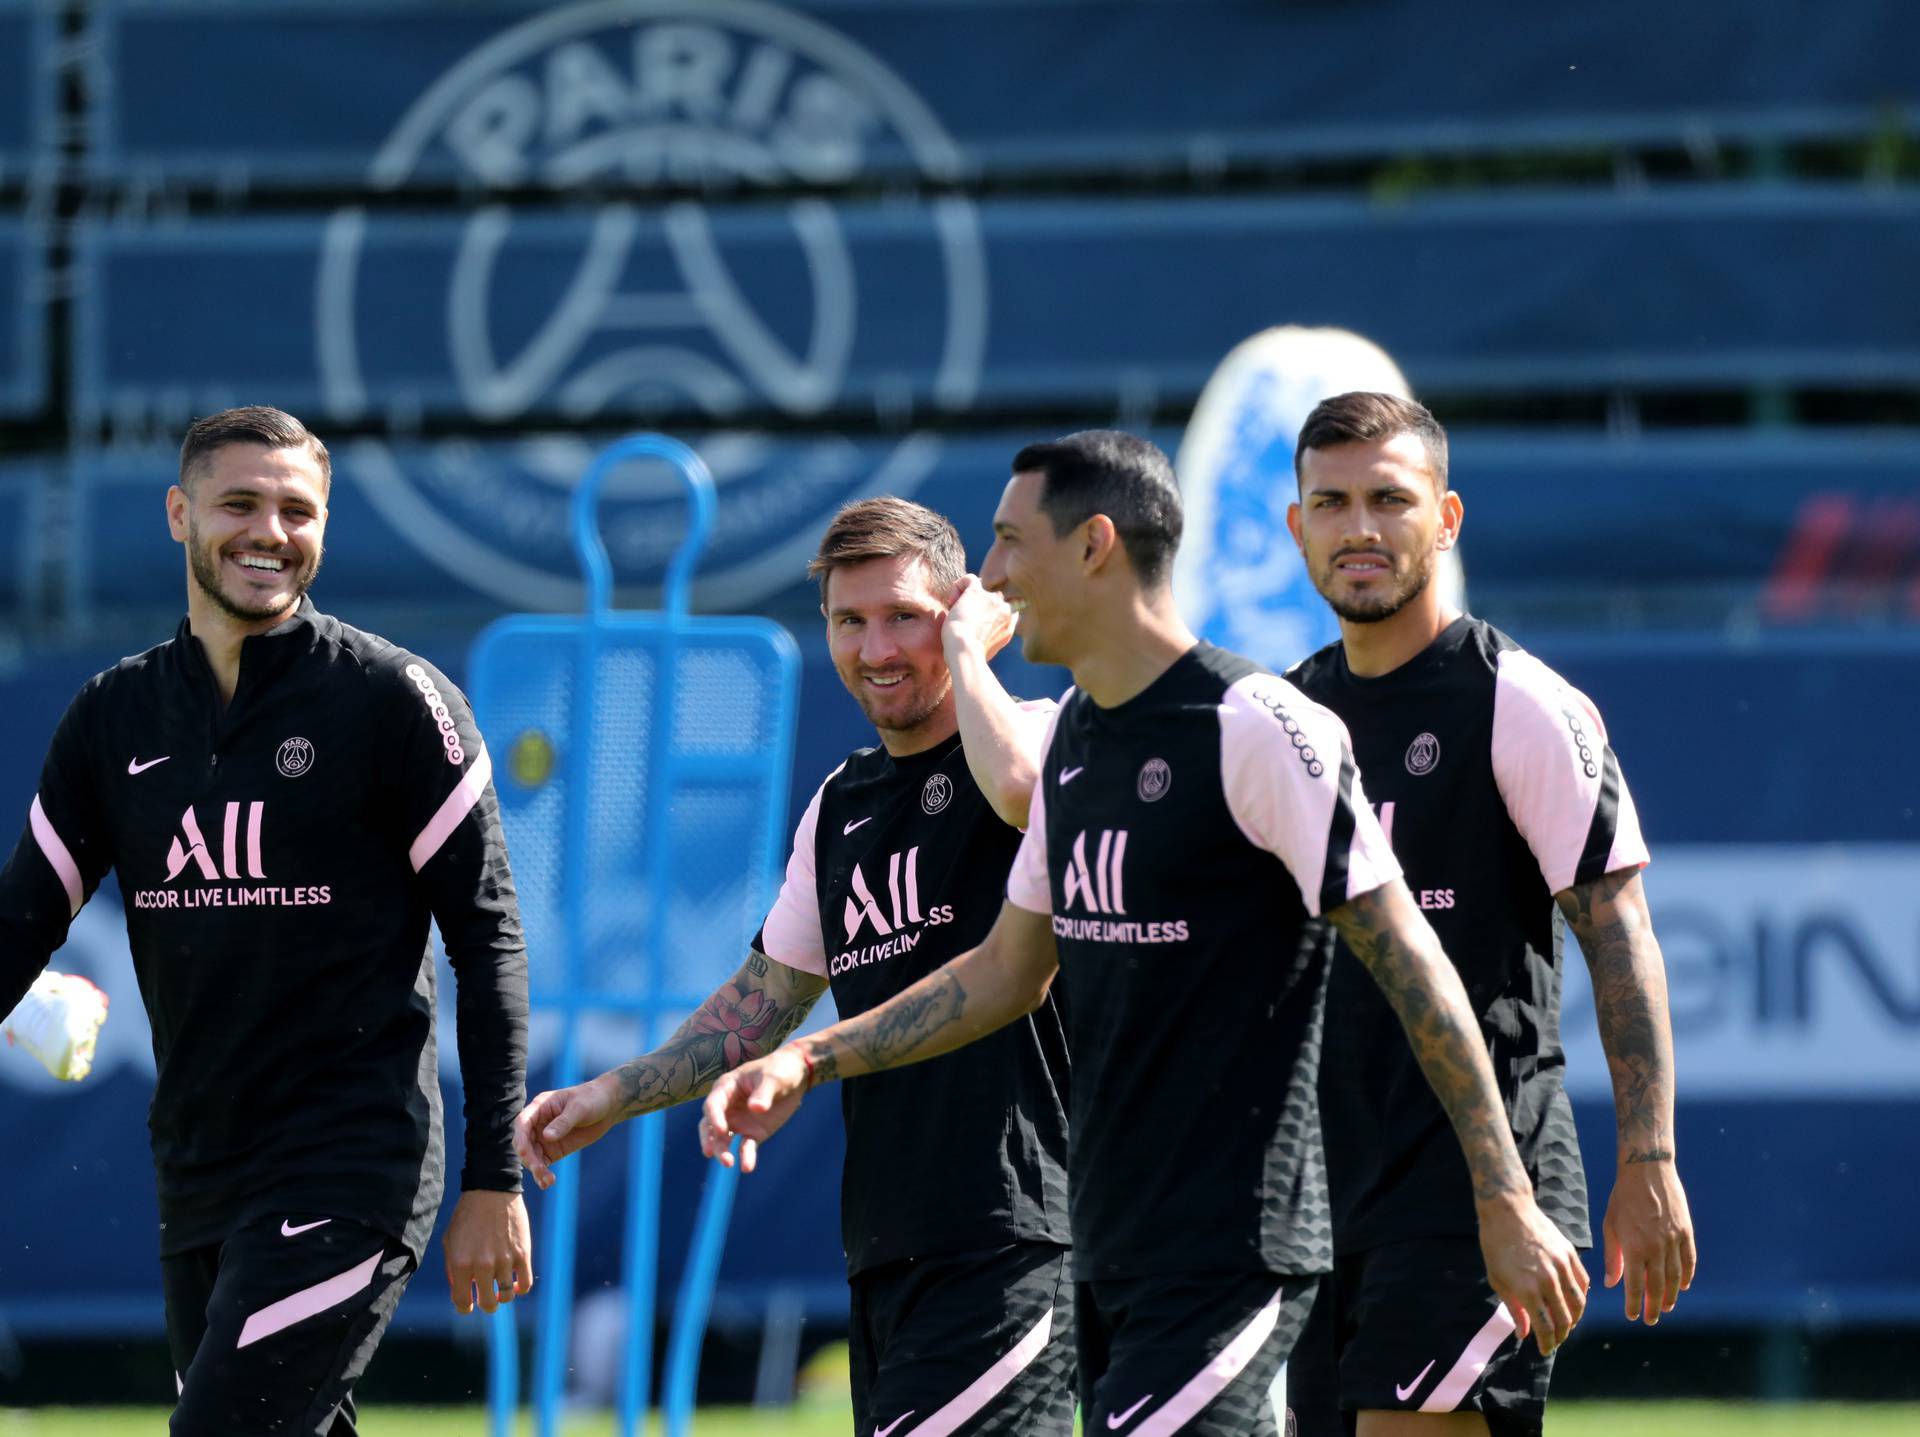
[[1609, 916], [1648, 1228], [1000, 739], [983, 989], [746, 1017], [1530, 1263]]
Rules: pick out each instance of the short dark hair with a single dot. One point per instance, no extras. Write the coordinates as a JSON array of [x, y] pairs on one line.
[[891, 528], [250, 424], [1366, 418], [1125, 477]]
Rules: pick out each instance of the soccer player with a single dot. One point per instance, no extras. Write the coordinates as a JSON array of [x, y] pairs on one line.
[[956, 1228], [287, 801], [1502, 799], [1194, 816]]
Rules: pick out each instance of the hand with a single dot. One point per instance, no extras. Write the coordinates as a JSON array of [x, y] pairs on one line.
[[556, 1124], [979, 615], [1649, 1238], [1533, 1269], [753, 1101], [488, 1245]]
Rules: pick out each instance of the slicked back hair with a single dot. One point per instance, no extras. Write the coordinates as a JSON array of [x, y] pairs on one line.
[[1365, 418], [1125, 477], [252, 424], [891, 528]]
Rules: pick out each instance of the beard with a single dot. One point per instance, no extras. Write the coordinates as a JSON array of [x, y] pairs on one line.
[[901, 720], [206, 574], [1376, 608]]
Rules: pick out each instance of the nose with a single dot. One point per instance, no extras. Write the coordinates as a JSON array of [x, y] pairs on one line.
[[275, 527], [993, 572], [877, 646]]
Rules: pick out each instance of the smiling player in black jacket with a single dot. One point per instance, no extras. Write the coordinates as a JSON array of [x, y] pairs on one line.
[[287, 802]]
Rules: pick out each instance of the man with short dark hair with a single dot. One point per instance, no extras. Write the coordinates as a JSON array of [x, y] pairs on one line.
[[956, 1229], [1194, 817], [287, 802], [1502, 799]]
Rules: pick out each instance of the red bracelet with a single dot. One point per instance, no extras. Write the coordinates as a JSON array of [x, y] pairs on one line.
[[809, 1062]]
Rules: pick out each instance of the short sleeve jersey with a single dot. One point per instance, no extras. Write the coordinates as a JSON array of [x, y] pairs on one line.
[[1497, 787], [1185, 842], [899, 865]]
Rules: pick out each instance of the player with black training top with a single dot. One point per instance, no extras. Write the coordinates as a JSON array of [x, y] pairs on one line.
[[287, 802], [1496, 785], [1194, 819], [953, 1204]]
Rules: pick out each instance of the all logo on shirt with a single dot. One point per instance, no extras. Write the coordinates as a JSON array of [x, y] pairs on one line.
[[190, 854], [892, 921], [1099, 885], [1423, 754]]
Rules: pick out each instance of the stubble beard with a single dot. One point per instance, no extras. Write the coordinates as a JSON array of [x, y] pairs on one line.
[[206, 574], [1378, 610], [914, 718]]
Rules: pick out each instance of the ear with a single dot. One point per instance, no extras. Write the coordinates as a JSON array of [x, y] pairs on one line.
[[1100, 539], [1452, 514], [177, 505], [1293, 526]]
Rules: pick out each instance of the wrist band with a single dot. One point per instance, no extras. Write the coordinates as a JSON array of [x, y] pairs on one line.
[[809, 1062]]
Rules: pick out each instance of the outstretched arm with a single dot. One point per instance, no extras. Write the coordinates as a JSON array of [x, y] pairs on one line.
[[1648, 1229], [1002, 740], [983, 989], [1530, 1264], [748, 1016]]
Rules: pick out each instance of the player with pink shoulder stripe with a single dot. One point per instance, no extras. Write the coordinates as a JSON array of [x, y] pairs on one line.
[[1506, 806], [286, 802], [1196, 827]]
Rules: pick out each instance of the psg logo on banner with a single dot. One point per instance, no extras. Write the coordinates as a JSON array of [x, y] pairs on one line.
[[937, 794]]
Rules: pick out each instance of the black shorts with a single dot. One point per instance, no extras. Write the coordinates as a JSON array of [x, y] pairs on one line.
[[966, 1343], [1413, 1327], [270, 1329], [1198, 1355]]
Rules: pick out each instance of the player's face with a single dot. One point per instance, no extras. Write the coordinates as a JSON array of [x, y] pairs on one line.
[[253, 525], [883, 624], [1033, 570], [1371, 526]]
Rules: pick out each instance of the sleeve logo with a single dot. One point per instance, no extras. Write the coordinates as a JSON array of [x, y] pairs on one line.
[[437, 706]]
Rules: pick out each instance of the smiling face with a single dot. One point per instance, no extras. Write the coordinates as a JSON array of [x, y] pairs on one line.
[[1371, 526], [253, 521], [883, 626], [1035, 571]]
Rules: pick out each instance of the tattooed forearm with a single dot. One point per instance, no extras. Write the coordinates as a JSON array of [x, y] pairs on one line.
[[748, 1017], [1388, 934], [1609, 917], [895, 1032]]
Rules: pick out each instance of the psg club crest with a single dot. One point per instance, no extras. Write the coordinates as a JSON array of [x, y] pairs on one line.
[[1422, 754], [937, 794], [1155, 779], [295, 758]]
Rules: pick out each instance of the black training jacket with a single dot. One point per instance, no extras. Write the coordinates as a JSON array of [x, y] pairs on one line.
[[280, 858]]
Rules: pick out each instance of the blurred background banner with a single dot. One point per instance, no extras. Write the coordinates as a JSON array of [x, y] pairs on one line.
[[1652, 265]]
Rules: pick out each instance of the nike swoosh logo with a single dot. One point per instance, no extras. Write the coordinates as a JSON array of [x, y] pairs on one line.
[[288, 1230], [1121, 1419], [1068, 775], [1403, 1393], [135, 766], [843, 833], [887, 1430]]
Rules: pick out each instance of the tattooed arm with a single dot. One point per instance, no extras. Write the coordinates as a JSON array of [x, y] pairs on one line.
[[1648, 1229], [746, 1017], [1530, 1264], [983, 989]]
